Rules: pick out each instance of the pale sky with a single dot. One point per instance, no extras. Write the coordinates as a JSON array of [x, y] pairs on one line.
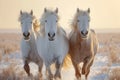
[[104, 13]]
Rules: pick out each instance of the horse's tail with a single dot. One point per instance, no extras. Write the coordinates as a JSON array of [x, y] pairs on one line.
[[67, 61]]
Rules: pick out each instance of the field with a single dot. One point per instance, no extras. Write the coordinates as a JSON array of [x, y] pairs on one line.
[[106, 64]]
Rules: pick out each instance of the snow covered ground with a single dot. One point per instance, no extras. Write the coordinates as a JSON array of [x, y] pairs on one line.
[[100, 70]]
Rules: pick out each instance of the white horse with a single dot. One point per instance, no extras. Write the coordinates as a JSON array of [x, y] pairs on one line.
[[28, 46], [52, 43]]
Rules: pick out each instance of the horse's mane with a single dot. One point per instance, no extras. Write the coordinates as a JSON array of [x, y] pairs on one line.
[[74, 21], [25, 15], [36, 25], [46, 14], [43, 18]]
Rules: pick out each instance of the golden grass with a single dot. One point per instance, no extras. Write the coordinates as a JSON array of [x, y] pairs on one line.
[[107, 39], [9, 74], [9, 42], [114, 74], [14, 73], [1, 55]]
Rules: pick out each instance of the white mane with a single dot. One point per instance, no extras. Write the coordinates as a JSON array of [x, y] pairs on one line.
[[25, 15]]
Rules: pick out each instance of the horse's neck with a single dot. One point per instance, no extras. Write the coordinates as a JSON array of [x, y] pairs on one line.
[[78, 37]]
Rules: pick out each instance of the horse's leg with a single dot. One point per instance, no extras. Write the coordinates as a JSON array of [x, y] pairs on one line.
[[27, 68], [40, 69], [58, 66], [86, 67], [88, 70], [50, 75], [77, 69]]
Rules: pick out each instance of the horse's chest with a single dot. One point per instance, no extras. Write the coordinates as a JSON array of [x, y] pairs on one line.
[[81, 51], [51, 52]]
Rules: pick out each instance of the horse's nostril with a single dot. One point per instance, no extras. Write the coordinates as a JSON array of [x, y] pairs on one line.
[[86, 32], [26, 34], [53, 35], [82, 32], [49, 34]]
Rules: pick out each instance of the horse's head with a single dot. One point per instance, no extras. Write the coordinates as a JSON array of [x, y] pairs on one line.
[[82, 22], [26, 20], [50, 22]]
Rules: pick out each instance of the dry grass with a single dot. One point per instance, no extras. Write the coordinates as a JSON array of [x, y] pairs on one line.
[[114, 55], [114, 74], [1, 55], [9, 42], [9, 73], [107, 39], [14, 73], [110, 43]]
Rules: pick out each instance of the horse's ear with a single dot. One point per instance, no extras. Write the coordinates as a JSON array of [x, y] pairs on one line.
[[31, 12], [56, 10], [20, 12], [45, 10], [88, 10], [78, 10]]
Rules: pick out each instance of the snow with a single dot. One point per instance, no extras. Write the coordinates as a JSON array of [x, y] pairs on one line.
[[97, 70]]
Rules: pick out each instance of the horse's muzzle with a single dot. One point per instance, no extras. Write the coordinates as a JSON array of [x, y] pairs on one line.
[[51, 39], [51, 36], [26, 36], [84, 34]]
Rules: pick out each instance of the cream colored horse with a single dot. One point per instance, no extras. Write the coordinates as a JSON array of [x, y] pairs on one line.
[[52, 43], [83, 43], [28, 45]]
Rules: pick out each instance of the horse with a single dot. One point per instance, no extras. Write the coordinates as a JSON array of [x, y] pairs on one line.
[[83, 43], [29, 51], [52, 43]]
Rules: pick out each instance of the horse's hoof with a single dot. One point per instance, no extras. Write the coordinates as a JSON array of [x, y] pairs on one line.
[[30, 75], [40, 76], [79, 78], [50, 77], [57, 78]]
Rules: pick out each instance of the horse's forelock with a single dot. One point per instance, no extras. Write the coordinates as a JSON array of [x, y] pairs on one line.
[[77, 14], [25, 15], [46, 14]]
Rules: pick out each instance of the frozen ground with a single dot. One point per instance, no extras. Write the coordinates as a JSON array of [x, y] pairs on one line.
[[101, 63]]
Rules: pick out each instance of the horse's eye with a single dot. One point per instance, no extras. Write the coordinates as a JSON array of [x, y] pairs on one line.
[[45, 20], [21, 23], [78, 20], [31, 22], [88, 20]]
